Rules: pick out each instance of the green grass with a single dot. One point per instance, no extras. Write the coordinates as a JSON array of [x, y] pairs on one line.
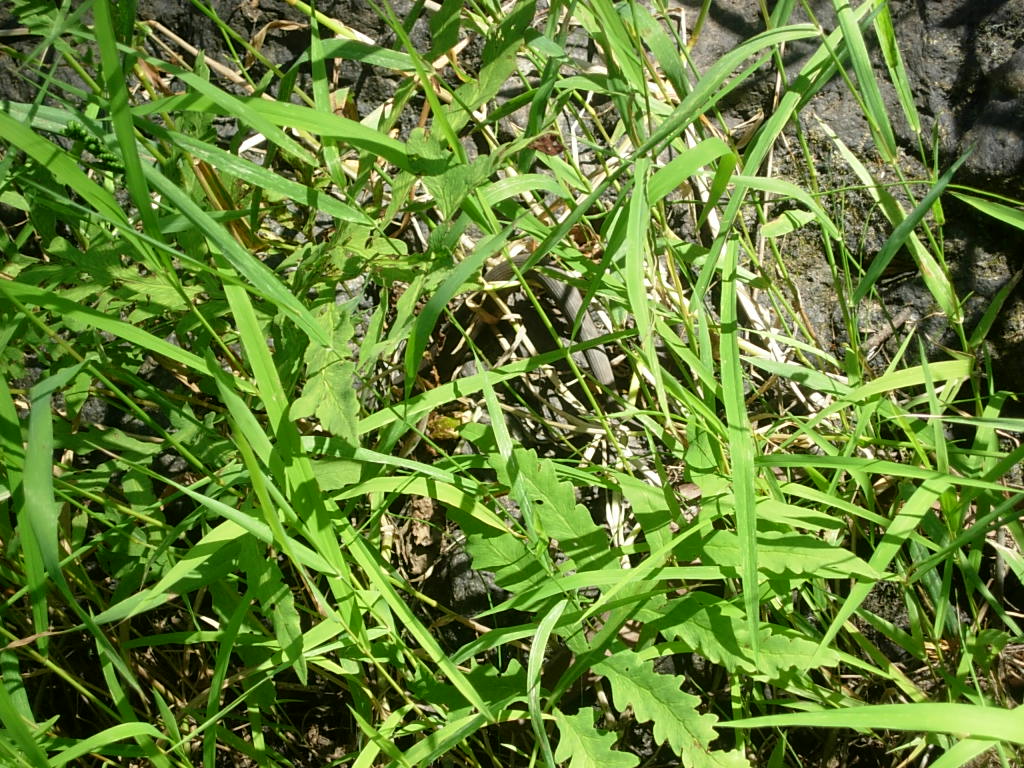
[[217, 428]]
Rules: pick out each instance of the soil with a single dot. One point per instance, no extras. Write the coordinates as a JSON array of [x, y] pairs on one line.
[[966, 69], [966, 64]]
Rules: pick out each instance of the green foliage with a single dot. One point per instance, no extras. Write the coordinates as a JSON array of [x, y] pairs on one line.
[[253, 502], [328, 394], [581, 746], [656, 698]]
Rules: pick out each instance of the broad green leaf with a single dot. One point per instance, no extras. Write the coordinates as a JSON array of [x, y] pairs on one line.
[[786, 222], [795, 516], [515, 566], [510, 186], [356, 50], [451, 188], [535, 485], [584, 746], [444, 28], [329, 393], [658, 699], [717, 629], [791, 554], [664, 48]]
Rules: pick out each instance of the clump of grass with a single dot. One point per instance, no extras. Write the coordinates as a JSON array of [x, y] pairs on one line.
[[221, 442]]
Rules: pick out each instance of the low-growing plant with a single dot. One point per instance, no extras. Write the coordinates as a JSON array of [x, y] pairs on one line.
[[254, 434]]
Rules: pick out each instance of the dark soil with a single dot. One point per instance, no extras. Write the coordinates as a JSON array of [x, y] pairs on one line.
[[966, 64]]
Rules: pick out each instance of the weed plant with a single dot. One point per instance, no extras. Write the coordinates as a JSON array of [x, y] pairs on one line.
[[238, 475]]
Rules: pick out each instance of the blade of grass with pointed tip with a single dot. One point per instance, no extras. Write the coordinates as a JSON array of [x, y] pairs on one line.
[[95, 743], [789, 191], [962, 720], [330, 535], [39, 297], [19, 731], [894, 63], [209, 559], [814, 75], [741, 443], [288, 115], [998, 211], [874, 106], [538, 654], [227, 635], [273, 183], [427, 751], [120, 114], [938, 283], [322, 101], [38, 517], [461, 274], [259, 276]]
